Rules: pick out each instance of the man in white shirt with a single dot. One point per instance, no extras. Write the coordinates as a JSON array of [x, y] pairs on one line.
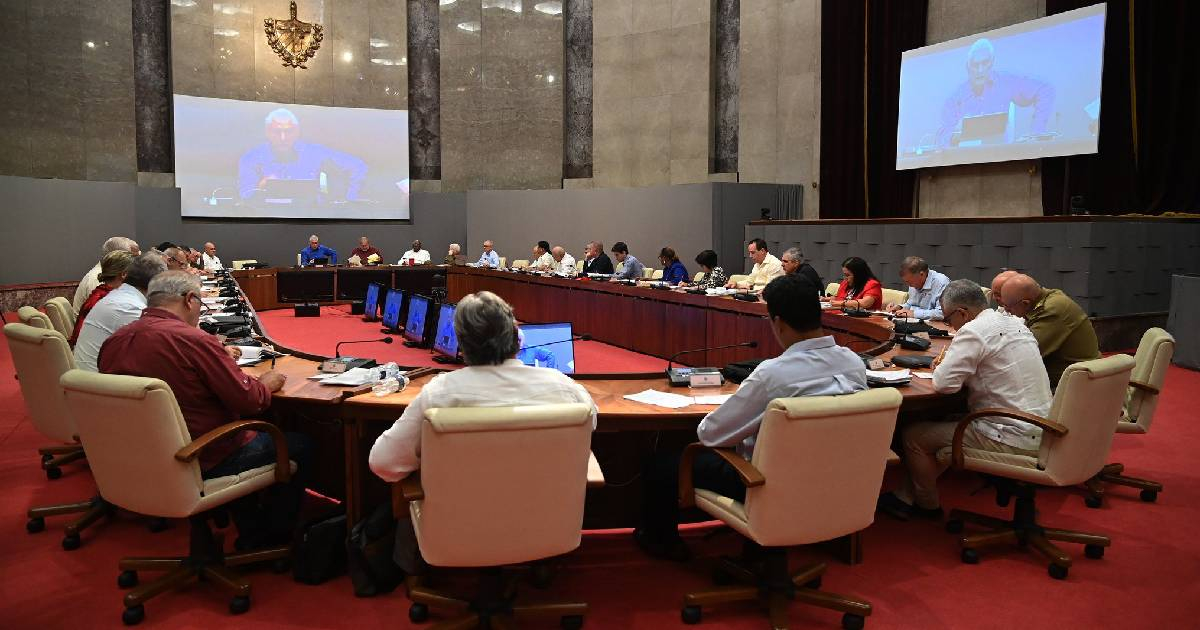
[[925, 288], [564, 263], [489, 258], [209, 259], [812, 364], [120, 307], [997, 359], [541, 259], [766, 267], [91, 279], [415, 256]]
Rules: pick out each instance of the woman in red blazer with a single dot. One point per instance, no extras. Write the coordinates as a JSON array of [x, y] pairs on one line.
[[859, 288]]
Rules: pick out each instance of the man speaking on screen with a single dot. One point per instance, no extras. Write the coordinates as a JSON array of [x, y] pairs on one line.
[[285, 157], [988, 91]]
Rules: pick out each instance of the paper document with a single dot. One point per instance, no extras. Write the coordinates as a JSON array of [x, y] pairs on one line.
[[661, 399], [713, 399], [928, 375], [890, 375], [351, 378]]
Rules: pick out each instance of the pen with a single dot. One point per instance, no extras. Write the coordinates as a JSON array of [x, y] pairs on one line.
[[272, 361]]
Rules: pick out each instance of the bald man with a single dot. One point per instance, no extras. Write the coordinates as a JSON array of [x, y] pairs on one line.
[[564, 263], [998, 282], [1063, 331]]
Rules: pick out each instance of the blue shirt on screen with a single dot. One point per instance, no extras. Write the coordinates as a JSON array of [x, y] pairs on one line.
[[308, 254], [1001, 89], [307, 162], [675, 273]]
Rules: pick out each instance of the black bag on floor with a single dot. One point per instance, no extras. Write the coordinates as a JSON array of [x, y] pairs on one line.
[[369, 554], [319, 552]]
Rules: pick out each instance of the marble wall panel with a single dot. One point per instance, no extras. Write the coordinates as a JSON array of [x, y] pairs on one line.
[[726, 80], [15, 142], [151, 56], [108, 91], [577, 89], [424, 90], [461, 26], [56, 52]]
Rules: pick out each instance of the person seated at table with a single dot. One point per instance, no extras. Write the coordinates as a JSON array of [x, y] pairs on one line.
[[859, 288], [193, 257], [365, 250], [766, 267], [415, 256], [494, 377], [925, 288], [595, 260], [209, 259], [121, 306], [673, 270], [90, 281], [564, 263], [489, 258], [632, 267], [714, 276], [315, 250], [177, 260], [996, 359], [997, 285], [453, 255], [811, 364], [541, 259], [165, 343], [1063, 331], [112, 274], [792, 262]]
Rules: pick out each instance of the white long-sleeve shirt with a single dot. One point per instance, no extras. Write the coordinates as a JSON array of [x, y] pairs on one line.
[[210, 263], [997, 359], [90, 281], [764, 272], [414, 258], [121, 306], [813, 367], [566, 266], [397, 452]]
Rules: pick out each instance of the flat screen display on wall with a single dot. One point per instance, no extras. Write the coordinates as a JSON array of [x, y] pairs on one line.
[[1024, 91], [251, 160]]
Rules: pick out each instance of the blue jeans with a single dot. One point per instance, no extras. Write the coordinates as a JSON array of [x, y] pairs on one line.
[[267, 517]]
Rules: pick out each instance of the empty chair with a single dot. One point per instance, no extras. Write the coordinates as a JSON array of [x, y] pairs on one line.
[[32, 317], [503, 262], [499, 486], [656, 274], [241, 264], [62, 315], [831, 289], [1153, 357], [648, 273], [520, 263], [144, 460], [815, 475], [1075, 442]]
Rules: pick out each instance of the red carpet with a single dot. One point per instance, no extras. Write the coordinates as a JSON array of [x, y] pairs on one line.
[[320, 335], [912, 574]]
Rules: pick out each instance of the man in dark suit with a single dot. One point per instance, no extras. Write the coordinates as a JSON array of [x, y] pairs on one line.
[[595, 260]]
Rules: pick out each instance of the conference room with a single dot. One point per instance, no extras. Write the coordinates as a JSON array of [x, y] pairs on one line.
[[599, 313]]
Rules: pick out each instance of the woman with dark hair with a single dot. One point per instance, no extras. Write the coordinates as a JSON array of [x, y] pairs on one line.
[[714, 276], [673, 271], [859, 288]]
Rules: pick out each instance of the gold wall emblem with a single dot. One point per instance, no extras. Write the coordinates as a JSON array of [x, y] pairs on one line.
[[294, 41]]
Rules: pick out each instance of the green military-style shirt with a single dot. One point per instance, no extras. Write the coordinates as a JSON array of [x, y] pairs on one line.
[[1063, 331]]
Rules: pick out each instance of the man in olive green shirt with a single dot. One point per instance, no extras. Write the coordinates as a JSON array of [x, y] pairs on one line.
[[1064, 332]]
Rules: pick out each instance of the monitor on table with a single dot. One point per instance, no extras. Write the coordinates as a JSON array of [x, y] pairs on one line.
[[371, 302], [558, 354], [414, 328], [446, 342], [391, 308]]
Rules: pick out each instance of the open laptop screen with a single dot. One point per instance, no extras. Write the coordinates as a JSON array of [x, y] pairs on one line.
[[391, 307], [414, 329], [446, 342], [559, 354]]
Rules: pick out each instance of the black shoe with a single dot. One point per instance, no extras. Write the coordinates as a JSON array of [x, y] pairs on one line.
[[673, 549], [892, 505]]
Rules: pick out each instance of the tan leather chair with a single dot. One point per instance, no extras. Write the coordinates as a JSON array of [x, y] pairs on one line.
[[1076, 437], [520, 263], [241, 264], [62, 315], [1152, 360], [503, 262], [32, 317], [498, 486], [657, 274], [144, 460], [831, 289], [648, 273], [815, 475], [739, 278], [698, 277], [40, 357], [892, 296]]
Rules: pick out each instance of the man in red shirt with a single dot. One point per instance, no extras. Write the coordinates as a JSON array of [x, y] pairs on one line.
[[211, 390], [364, 251]]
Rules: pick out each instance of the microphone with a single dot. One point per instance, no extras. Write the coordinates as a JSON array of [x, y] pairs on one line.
[[583, 337], [337, 350], [711, 376]]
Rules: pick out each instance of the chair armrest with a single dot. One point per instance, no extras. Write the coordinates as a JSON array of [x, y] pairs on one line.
[[595, 475], [1146, 387], [405, 490], [283, 468], [749, 475], [1036, 420]]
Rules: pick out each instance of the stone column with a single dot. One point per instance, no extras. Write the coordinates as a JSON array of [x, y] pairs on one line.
[[152, 90], [577, 114], [726, 26], [424, 84]]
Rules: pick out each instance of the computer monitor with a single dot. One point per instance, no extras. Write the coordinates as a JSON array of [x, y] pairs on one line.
[[446, 342], [371, 302], [320, 261], [414, 329], [558, 354], [391, 308]]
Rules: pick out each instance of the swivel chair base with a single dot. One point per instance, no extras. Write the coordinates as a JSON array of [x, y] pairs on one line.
[[206, 561], [93, 511], [494, 606], [766, 571], [1112, 473], [55, 456]]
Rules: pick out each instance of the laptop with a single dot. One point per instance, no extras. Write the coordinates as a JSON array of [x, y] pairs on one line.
[[559, 353], [391, 311], [290, 191], [414, 328], [445, 342], [371, 303], [984, 129]]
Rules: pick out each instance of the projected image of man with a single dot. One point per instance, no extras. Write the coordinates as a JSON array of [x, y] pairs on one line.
[[284, 156], [990, 91], [536, 357]]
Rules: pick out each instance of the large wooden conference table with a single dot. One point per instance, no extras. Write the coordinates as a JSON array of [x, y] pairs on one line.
[[642, 319]]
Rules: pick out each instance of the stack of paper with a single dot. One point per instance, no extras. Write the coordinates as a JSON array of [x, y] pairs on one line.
[[676, 401], [889, 376], [349, 378]]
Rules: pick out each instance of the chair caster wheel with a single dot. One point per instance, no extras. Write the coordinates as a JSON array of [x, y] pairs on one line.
[[156, 525], [571, 622], [970, 556], [1095, 552], [239, 605], [134, 616], [1057, 571], [1149, 496], [127, 579], [954, 526], [53, 472], [690, 615], [46, 459], [1093, 501], [814, 584], [721, 577], [418, 613], [851, 621], [540, 576], [1003, 499], [71, 542], [35, 525]]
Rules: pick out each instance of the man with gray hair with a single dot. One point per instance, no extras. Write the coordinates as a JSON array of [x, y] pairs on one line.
[[284, 156], [91, 279], [925, 288], [793, 262], [212, 391], [453, 255], [121, 306], [315, 250], [996, 359]]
